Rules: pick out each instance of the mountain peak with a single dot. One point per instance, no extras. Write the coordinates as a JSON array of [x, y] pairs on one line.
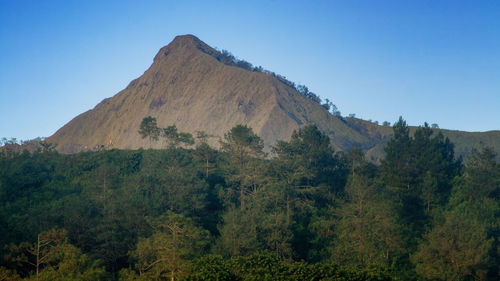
[[183, 43], [198, 88], [187, 38]]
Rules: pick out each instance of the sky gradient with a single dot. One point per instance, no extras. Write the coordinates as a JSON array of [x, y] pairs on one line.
[[426, 60]]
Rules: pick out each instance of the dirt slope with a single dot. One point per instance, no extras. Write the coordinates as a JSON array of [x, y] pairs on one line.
[[190, 85]]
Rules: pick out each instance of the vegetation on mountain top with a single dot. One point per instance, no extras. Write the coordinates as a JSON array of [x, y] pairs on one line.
[[228, 58]]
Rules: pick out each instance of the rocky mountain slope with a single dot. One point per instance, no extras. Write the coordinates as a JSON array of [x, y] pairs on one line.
[[195, 87]]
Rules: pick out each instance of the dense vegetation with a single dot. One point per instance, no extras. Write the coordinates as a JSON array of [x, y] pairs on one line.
[[304, 212]]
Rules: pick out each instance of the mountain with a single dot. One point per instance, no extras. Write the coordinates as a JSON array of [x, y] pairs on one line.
[[464, 141], [197, 88], [189, 85]]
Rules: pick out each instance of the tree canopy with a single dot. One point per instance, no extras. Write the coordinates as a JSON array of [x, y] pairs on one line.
[[303, 212]]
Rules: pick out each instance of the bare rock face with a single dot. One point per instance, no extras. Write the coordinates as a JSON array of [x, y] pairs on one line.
[[191, 85], [188, 85]]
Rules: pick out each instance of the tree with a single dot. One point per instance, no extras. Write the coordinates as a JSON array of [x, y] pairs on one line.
[[186, 138], [434, 166], [71, 264], [312, 160], [8, 274], [242, 143], [42, 251], [301, 165], [226, 57], [311, 176], [211, 267], [207, 155], [326, 105], [242, 146], [149, 129], [418, 172], [335, 110], [303, 89], [396, 169], [171, 135], [53, 258], [367, 233], [463, 242], [202, 136], [481, 177], [174, 138], [175, 241], [47, 146], [454, 249], [238, 233]]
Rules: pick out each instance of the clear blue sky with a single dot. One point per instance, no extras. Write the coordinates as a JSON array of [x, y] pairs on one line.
[[434, 61]]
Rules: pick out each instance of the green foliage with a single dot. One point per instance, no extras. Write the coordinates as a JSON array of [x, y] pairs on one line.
[[174, 138], [238, 233], [149, 128], [244, 166], [52, 257], [207, 157], [242, 143], [396, 168], [211, 267], [8, 274], [266, 266], [418, 172], [306, 213], [464, 241], [367, 232], [308, 161], [70, 264], [311, 177], [168, 251], [455, 249]]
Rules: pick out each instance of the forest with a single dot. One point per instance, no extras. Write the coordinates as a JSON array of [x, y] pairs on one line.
[[302, 211]]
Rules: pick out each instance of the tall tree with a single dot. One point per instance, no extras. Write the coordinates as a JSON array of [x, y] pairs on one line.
[[42, 251], [243, 148], [207, 156], [396, 168], [312, 177], [242, 143], [455, 249], [149, 129], [418, 172], [464, 240], [308, 162], [367, 232], [166, 254], [54, 258], [238, 233]]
